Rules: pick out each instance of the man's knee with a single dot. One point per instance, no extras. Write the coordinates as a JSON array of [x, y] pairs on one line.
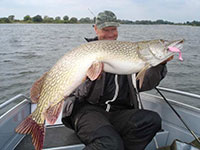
[[144, 123], [106, 138], [156, 121], [109, 143], [148, 118]]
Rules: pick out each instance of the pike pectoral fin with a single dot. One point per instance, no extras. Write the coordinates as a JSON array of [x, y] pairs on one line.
[[95, 70], [36, 89], [141, 74], [52, 113]]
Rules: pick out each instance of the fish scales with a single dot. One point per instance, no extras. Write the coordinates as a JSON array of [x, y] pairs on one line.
[[122, 51]]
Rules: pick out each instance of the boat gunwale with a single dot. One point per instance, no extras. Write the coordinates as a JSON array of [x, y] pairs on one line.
[[161, 88], [64, 147], [25, 101], [189, 94], [174, 102], [4, 104]]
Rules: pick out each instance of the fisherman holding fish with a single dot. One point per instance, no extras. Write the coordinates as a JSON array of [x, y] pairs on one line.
[[100, 83], [105, 113]]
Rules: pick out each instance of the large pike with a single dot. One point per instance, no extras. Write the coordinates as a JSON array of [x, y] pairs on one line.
[[89, 60]]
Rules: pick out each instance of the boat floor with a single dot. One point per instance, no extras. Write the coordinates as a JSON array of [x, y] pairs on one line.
[[56, 136]]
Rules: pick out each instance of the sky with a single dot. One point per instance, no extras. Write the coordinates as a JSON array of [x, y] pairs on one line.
[[170, 10]]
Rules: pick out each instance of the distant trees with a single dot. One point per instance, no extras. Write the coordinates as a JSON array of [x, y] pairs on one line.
[[86, 20], [4, 20], [67, 19], [145, 22], [57, 18], [48, 19], [11, 18], [27, 18], [37, 19], [73, 20], [193, 23]]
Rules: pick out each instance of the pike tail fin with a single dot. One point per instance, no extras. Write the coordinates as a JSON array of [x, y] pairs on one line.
[[29, 126]]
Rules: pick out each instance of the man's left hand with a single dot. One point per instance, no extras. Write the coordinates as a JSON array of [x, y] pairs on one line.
[[169, 59]]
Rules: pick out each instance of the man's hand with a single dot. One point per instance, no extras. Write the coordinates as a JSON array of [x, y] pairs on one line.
[[169, 59]]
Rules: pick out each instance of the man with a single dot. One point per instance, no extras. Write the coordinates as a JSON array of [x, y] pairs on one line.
[[107, 119]]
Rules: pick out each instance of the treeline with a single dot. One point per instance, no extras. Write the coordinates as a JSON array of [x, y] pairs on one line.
[[193, 23], [45, 19], [145, 22], [66, 19]]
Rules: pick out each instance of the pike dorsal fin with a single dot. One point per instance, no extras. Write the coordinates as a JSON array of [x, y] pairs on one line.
[[95, 70], [141, 74], [36, 89], [52, 113]]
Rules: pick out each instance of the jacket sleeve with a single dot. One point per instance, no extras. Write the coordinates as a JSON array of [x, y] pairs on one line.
[[83, 90], [153, 76], [79, 94]]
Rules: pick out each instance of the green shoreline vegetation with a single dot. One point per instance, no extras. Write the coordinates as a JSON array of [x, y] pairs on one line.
[[86, 20]]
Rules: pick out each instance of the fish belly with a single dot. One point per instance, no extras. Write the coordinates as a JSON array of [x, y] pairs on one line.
[[121, 67]]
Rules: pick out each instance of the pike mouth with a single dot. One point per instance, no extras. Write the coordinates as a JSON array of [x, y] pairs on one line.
[[171, 49], [176, 47], [178, 44]]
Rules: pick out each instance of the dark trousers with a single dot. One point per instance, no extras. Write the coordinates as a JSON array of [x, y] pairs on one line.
[[130, 129]]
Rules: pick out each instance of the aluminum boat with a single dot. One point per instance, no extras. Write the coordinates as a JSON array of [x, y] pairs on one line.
[[59, 137]]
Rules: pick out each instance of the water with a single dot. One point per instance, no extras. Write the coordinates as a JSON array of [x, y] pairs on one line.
[[29, 50]]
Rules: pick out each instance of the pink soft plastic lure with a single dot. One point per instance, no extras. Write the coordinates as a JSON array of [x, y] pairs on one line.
[[176, 50]]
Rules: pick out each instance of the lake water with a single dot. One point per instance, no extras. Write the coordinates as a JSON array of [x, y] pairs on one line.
[[29, 50]]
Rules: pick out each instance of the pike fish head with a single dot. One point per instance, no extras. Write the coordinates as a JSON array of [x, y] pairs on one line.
[[160, 49]]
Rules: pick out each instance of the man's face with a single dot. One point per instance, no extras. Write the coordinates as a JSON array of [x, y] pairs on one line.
[[107, 33]]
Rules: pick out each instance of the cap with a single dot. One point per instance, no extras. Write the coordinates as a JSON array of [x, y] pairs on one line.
[[106, 19]]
